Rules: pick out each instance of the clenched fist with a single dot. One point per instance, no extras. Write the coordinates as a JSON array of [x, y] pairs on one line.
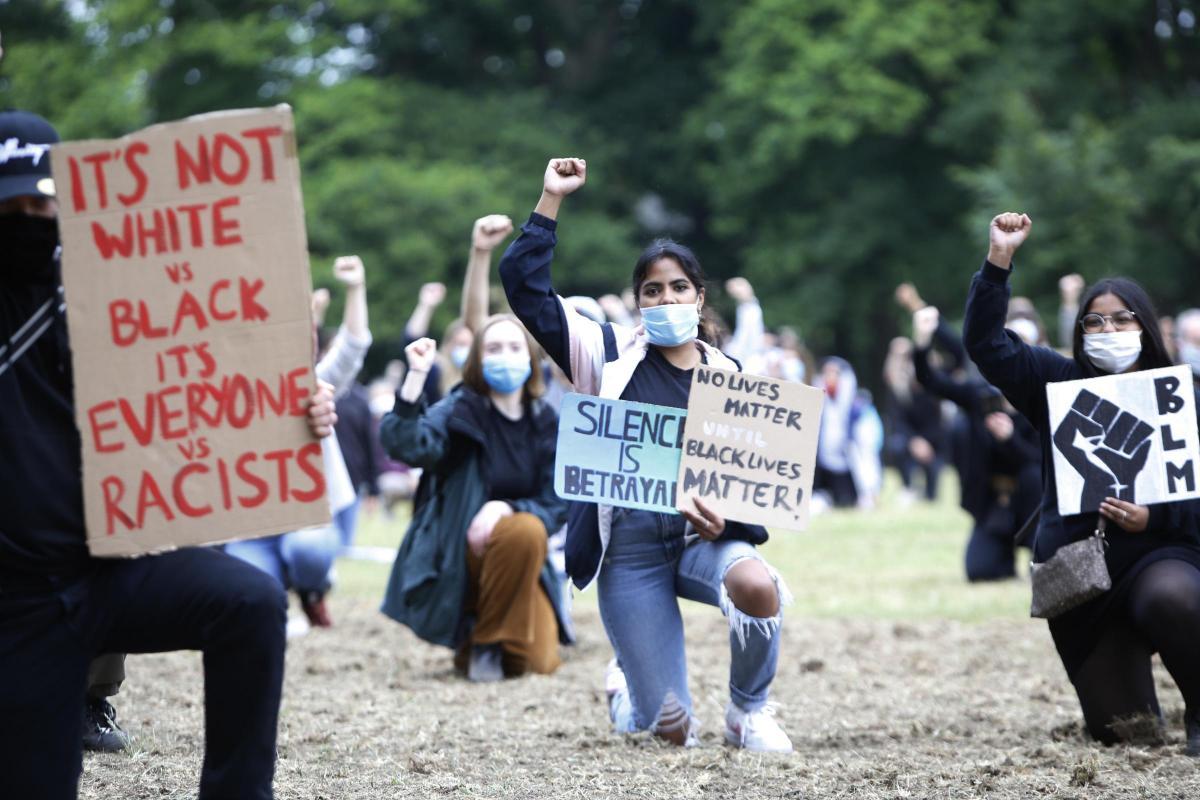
[[350, 271], [490, 231], [564, 175], [1008, 232], [421, 355]]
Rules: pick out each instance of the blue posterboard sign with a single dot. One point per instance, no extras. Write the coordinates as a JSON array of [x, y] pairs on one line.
[[618, 453]]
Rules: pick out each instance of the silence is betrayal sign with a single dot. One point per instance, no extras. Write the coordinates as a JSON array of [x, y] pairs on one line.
[[618, 453], [185, 269], [750, 447], [1130, 436]]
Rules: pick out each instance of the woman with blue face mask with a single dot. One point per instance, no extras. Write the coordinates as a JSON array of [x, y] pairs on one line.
[[643, 561], [472, 571], [1153, 554]]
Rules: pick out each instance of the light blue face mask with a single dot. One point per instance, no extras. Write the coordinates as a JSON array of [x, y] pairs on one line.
[[506, 373], [458, 355], [671, 324]]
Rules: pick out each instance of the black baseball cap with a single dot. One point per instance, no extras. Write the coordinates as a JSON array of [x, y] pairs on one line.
[[25, 140]]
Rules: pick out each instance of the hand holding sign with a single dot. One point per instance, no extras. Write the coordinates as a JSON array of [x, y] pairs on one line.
[[708, 523], [321, 414], [1130, 516]]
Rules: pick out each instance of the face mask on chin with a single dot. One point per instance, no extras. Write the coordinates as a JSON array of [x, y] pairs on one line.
[[671, 324], [1113, 352], [30, 247]]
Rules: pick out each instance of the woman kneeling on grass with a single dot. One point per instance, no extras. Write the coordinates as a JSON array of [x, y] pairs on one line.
[[472, 571], [1153, 553], [642, 561]]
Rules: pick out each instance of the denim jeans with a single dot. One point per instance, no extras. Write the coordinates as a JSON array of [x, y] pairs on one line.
[[346, 521], [647, 566], [299, 560]]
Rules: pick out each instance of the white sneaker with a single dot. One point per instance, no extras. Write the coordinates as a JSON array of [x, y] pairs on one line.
[[755, 730], [614, 680]]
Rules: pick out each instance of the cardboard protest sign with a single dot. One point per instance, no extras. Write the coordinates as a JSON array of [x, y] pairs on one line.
[[1130, 436], [618, 453], [185, 269], [750, 447]]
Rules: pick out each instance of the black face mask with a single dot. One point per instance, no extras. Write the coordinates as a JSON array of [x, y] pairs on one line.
[[30, 248]]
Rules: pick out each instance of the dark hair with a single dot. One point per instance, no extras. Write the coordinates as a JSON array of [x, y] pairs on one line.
[[472, 376], [687, 261], [1154, 350]]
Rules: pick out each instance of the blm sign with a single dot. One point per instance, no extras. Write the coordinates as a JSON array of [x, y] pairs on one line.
[[1130, 436]]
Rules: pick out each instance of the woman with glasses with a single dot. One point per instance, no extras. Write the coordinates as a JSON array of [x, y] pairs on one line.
[[642, 561], [1153, 554]]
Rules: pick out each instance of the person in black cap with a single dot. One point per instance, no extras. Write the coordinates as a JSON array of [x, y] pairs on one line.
[[59, 607]]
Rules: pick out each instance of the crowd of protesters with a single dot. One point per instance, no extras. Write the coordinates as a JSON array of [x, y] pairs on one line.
[[464, 428]]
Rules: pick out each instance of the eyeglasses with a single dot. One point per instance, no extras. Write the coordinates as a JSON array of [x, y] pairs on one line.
[[1121, 320]]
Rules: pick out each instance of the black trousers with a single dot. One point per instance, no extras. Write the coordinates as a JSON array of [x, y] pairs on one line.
[[193, 599]]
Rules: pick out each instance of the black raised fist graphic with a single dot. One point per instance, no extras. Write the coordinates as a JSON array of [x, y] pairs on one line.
[[1106, 445]]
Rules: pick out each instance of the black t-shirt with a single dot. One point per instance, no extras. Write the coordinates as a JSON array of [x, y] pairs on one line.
[[660, 382], [512, 467]]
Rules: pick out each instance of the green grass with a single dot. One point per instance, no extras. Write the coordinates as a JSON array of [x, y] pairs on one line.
[[890, 563]]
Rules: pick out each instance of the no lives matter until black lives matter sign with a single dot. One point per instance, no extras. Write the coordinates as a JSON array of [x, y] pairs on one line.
[[185, 268], [750, 447], [1130, 436]]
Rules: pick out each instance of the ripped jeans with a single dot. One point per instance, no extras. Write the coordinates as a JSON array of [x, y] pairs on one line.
[[646, 568]]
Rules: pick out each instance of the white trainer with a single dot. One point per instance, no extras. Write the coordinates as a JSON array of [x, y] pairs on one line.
[[755, 730]]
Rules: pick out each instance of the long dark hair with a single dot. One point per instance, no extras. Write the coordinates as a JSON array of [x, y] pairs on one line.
[[687, 261], [1154, 350]]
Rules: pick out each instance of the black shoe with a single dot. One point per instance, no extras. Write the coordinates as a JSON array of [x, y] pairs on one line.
[[101, 733], [1191, 721]]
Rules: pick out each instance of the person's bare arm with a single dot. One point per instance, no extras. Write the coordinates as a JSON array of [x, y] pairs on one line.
[[488, 233]]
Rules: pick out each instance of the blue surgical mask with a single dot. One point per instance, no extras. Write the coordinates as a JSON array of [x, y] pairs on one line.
[[671, 324], [507, 372], [458, 355]]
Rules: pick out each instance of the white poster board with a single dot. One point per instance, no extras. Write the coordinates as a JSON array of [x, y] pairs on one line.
[[1129, 436]]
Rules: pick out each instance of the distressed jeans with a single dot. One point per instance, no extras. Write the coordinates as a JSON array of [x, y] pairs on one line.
[[647, 566]]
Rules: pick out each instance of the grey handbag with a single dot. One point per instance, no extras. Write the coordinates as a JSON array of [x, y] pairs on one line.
[[1073, 575]]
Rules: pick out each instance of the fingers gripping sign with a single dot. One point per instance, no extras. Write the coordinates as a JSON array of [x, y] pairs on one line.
[[707, 522]]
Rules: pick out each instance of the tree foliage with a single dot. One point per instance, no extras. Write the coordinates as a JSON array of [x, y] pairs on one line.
[[825, 150]]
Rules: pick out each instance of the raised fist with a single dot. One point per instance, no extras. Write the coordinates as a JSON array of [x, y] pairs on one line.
[[431, 294], [1008, 232], [490, 231], [740, 289], [320, 304], [564, 175], [349, 270], [421, 355], [1070, 287], [925, 323], [908, 298], [1106, 445]]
